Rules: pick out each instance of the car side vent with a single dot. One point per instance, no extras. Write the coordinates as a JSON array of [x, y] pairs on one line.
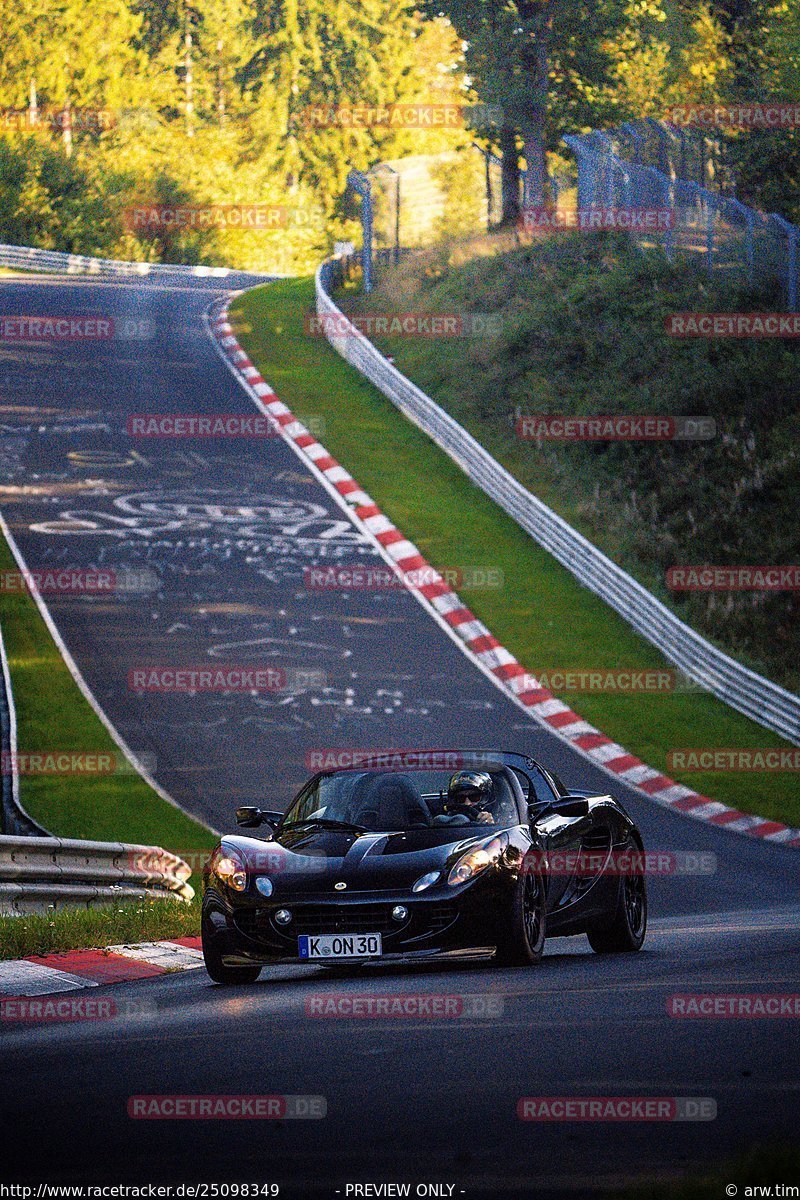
[[597, 840]]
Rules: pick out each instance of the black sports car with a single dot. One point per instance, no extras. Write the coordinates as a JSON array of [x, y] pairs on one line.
[[484, 852]]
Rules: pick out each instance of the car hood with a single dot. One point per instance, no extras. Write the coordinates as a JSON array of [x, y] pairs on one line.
[[313, 861]]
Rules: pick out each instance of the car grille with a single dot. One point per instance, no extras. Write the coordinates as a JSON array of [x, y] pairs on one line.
[[348, 918]]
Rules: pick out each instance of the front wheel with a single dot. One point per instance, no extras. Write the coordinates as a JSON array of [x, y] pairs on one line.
[[628, 925], [218, 971], [523, 945]]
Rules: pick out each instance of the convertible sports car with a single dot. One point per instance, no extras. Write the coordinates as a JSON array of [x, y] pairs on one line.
[[485, 853]]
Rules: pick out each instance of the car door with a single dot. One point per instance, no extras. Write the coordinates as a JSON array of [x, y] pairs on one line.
[[562, 825]]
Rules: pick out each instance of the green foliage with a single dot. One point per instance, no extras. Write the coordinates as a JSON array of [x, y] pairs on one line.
[[766, 39], [47, 199], [214, 102], [206, 105]]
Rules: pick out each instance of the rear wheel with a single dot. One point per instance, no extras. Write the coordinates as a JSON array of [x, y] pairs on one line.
[[524, 944], [628, 925], [218, 971]]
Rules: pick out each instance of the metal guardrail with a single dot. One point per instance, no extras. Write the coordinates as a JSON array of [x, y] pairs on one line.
[[745, 690], [31, 258], [37, 872]]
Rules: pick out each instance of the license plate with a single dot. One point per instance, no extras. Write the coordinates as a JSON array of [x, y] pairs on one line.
[[340, 945]]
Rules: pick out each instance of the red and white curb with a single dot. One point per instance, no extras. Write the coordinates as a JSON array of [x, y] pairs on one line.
[[482, 647], [71, 970]]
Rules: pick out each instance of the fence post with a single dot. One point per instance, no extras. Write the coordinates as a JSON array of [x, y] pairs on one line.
[[749, 247], [668, 236], [489, 197], [608, 151], [577, 147], [487, 173], [361, 185], [637, 139], [664, 165], [682, 139], [790, 232], [396, 174], [792, 268], [707, 197]]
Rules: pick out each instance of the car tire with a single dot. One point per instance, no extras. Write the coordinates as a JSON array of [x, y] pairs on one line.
[[219, 972], [626, 931], [524, 944]]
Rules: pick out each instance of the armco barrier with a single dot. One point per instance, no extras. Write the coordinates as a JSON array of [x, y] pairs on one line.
[[759, 698], [36, 873], [31, 259]]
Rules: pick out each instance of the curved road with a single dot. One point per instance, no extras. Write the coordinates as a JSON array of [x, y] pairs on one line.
[[219, 536]]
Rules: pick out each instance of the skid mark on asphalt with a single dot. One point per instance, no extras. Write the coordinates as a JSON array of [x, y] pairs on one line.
[[216, 542]]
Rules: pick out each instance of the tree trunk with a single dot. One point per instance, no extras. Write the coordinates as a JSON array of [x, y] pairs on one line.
[[510, 175], [220, 84], [536, 168], [66, 128], [188, 83], [533, 116]]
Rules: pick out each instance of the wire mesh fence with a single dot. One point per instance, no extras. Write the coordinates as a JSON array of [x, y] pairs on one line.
[[419, 200], [642, 167], [707, 223]]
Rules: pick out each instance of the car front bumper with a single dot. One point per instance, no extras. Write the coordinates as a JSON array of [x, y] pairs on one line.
[[468, 922]]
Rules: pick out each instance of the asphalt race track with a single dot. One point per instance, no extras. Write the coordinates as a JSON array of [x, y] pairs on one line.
[[222, 532]]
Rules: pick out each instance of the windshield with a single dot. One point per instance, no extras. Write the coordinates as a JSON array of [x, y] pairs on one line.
[[388, 801]]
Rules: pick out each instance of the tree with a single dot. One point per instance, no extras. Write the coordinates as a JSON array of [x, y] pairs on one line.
[[543, 63], [79, 56]]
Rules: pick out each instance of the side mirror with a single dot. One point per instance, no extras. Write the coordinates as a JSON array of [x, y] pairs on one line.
[[251, 818], [536, 809], [572, 806], [565, 806]]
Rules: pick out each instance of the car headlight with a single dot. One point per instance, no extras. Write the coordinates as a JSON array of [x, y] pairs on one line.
[[477, 860], [426, 881], [230, 867]]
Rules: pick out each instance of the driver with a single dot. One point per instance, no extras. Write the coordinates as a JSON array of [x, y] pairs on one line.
[[469, 799]]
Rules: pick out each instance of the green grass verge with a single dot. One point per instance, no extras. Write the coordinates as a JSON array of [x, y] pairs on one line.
[[541, 613], [147, 920], [52, 714]]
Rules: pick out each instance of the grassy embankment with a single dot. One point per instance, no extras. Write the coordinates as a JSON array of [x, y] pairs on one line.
[[541, 613]]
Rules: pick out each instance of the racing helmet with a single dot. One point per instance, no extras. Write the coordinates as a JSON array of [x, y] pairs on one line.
[[470, 790]]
